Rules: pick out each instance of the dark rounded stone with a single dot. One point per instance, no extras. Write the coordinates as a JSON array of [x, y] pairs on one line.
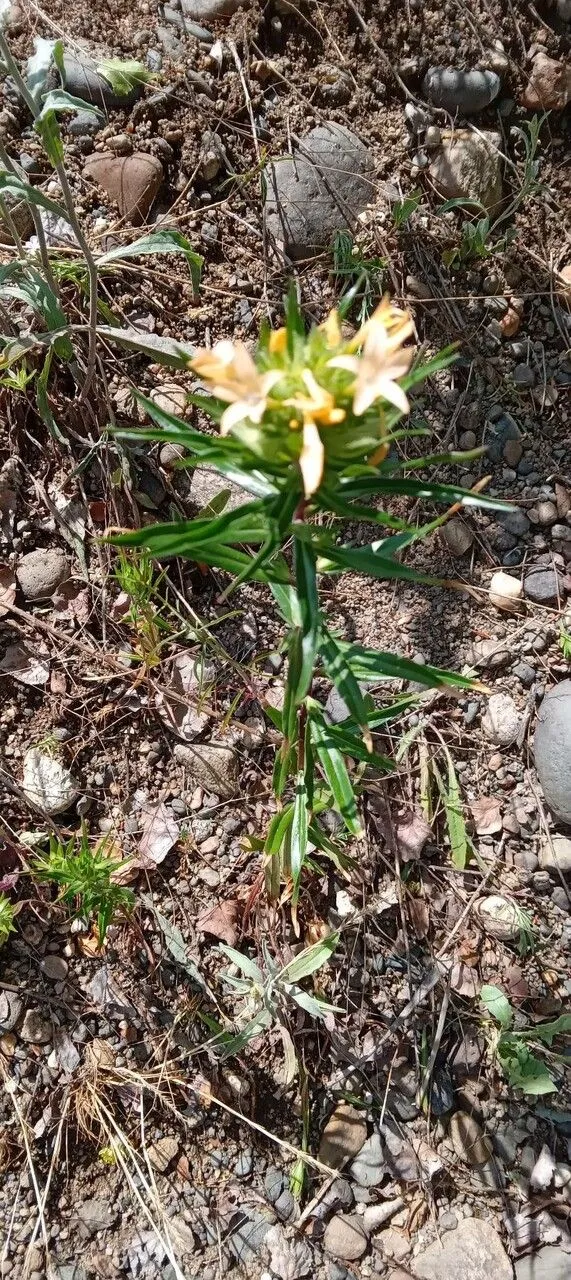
[[543, 586], [552, 748]]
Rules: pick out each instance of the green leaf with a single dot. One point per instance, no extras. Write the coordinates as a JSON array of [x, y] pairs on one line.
[[522, 1068], [35, 291], [369, 560], [123, 74], [177, 947], [46, 125], [231, 1045], [57, 100], [460, 202], [342, 677], [42, 401], [277, 830], [288, 604], [308, 961], [330, 849], [497, 1005], [352, 745], [158, 242], [298, 833], [375, 665], [166, 351], [454, 810], [14, 186], [403, 209], [335, 771], [306, 586], [428, 491], [39, 65], [547, 1031], [243, 963]]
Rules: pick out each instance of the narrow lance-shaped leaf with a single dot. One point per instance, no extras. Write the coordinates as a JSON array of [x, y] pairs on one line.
[[309, 960], [158, 242], [298, 832], [335, 771], [453, 808], [175, 355], [279, 825], [377, 665], [342, 677], [306, 586]]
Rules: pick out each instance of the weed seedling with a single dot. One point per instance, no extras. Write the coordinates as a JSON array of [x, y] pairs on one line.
[[565, 643], [404, 209], [7, 917], [360, 278], [84, 877], [514, 1050]]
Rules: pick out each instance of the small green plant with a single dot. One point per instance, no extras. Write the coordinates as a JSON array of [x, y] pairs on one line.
[[361, 278], [84, 877], [36, 278], [404, 209], [515, 1050], [267, 994], [7, 917], [136, 576], [308, 425], [124, 74], [565, 643]]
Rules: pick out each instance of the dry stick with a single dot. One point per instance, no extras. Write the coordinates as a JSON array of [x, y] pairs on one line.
[[10, 1087], [73, 219]]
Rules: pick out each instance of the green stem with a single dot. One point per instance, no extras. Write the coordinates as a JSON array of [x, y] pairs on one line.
[[23, 90]]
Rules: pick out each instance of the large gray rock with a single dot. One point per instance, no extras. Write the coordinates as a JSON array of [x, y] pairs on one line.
[[555, 854], [40, 572], [549, 1263], [502, 720], [345, 1237], [82, 80], [553, 749], [319, 190], [465, 91], [208, 10], [469, 166], [211, 765], [473, 1251]]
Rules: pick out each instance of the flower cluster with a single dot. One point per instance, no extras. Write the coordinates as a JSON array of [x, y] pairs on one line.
[[284, 401]]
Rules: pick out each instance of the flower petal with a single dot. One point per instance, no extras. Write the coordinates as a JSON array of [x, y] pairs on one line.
[[311, 458]]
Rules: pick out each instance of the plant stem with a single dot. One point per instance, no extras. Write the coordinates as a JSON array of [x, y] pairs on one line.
[[8, 163], [14, 71]]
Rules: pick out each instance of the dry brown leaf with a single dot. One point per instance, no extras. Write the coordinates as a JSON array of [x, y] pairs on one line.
[[25, 667], [487, 815], [420, 916], [412, 831], [7, 589], [160, 834], [73, 600], [464, 981], [221, 921]]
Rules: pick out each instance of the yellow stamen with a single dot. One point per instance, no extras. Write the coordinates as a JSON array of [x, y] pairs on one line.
[[277, 342]]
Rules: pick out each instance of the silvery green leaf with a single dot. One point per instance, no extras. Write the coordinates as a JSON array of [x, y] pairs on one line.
[[312, 1005], [309, 960], [244, 963], [38, 67]]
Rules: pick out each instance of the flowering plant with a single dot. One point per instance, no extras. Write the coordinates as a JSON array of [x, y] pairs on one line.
[[308, 426]]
